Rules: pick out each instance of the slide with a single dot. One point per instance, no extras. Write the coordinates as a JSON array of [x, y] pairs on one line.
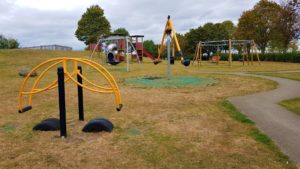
[[148, 55]]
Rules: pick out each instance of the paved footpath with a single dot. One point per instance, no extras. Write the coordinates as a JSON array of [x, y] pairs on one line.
[[278, 123]]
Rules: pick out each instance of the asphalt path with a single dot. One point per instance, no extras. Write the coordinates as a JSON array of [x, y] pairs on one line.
[[274, 120]]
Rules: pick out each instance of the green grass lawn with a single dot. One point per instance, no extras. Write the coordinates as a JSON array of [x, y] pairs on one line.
[[191, 126], [292, 105]]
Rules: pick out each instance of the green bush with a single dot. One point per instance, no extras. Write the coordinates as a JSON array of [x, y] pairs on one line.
[[8, 43]]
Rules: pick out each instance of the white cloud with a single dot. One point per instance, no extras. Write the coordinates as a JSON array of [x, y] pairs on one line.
[[54, 4], [37, 22]]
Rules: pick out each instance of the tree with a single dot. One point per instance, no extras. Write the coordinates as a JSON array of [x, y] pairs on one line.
[[258, 23], [209, 31], [230, 28], [285, 28], [193, 37], [295, 7], [122, 31], [8, 43], [92, 25], [150, 47]]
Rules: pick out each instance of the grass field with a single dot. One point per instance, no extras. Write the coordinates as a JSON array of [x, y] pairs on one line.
[[290, 75], [167, 127], [293, 105]]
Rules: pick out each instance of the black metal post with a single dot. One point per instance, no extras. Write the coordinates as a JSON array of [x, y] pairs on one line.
[[80, 96], [62, 104]]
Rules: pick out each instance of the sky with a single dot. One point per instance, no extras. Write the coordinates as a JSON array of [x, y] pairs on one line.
[[45, 22]]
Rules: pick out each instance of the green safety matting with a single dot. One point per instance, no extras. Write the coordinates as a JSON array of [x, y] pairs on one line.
[[175, 81], [134, 132]]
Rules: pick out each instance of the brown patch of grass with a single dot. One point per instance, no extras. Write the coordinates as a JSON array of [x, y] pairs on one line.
[[238, 67], [180, 127]]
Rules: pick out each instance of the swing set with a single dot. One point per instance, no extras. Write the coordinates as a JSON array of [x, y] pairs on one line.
[[247, 46]]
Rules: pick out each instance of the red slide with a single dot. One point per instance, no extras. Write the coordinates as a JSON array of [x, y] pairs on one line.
[[148, 55]]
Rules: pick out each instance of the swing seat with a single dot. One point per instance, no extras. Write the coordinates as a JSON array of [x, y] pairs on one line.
[[113, 62], [215, 59]]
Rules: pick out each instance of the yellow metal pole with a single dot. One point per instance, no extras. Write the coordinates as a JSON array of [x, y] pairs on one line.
[[114, 87], [174, 35], [162, 43], [196, 54]]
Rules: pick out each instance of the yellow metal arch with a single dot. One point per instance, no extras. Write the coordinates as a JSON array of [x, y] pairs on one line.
[[113, 89]]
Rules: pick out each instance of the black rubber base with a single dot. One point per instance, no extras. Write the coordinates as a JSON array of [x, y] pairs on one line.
[[98, 125], [25, 109], [51, 124], [155, 62], [113, 63], [172, 61], [186, 62]]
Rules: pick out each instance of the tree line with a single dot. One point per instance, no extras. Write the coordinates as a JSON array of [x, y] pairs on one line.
[[272, 26], [6, 43]]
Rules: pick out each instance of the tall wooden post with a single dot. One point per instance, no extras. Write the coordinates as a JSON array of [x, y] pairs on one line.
[[243, 52], [195, 55], [252, 58], [200, 53], [252, 51], [230, 53], [255, 48]]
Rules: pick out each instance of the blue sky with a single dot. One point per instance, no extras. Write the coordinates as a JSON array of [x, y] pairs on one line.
[[42, 22]]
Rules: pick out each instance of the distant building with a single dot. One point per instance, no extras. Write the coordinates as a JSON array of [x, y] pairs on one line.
[[50, 47]]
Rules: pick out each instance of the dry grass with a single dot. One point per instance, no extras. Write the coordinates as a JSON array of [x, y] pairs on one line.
[[290, 75], [238, 67], [180, 127]]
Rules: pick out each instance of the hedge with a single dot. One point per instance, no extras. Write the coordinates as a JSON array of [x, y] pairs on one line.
[[275, 57]]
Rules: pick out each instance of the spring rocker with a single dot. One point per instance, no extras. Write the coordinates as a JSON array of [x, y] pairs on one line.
[[170, 32], [63, 76]]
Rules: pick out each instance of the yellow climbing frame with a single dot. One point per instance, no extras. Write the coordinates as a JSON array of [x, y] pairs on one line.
[[113, 89]]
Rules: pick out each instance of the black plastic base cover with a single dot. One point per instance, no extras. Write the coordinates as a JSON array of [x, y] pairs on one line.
[[25, 109], [186, 62], [113, 63], [98, 125], [51, 124], [155, 62]]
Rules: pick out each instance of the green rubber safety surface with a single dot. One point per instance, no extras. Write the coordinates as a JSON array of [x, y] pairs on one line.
[[134, 132], [175, 81]]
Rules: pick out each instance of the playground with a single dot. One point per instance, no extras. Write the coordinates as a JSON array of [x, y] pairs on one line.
[[186, 123]]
